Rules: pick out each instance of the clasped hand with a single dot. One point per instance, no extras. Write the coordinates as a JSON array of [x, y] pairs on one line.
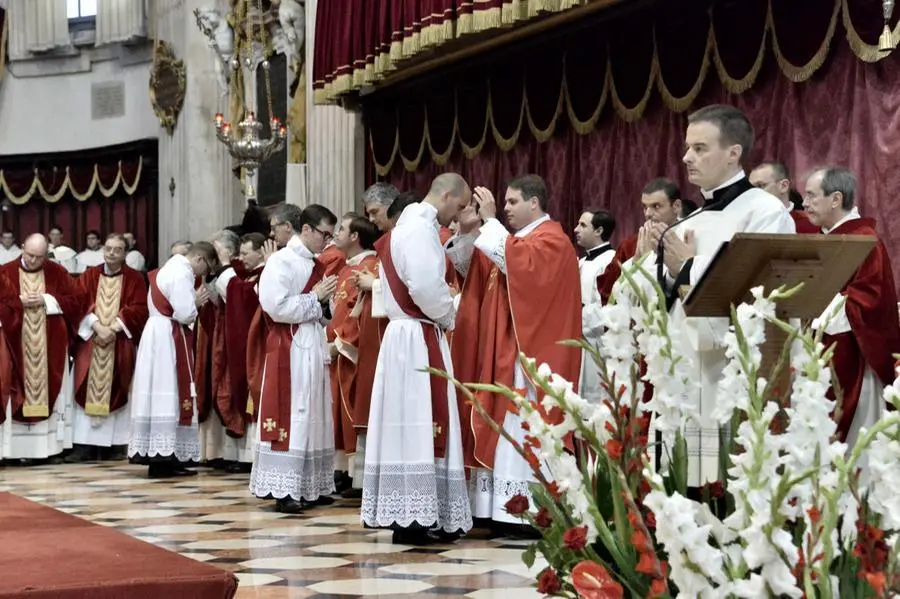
[[675, 249], [32, 300], [325, 288], [104, 335]]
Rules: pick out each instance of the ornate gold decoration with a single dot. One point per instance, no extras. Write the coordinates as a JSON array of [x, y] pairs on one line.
[[168, 81], [103, 357], [282, 434], [34, 348], [269, 425], [37, 188]]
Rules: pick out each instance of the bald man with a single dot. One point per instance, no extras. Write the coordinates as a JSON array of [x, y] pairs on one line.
[[38, 421], [414, 480]]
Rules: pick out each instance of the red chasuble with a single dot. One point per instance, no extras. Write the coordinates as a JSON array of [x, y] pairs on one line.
[[275, 399], [532, 308], [59, 334], [871, 308], [204, 333], [332, 260], [608, 278], [230, 357], [371, 330], [802, 224], [344, 330], [8, 320], [132, 311]]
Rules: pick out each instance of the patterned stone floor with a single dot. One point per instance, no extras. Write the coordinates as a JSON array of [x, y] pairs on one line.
[[321, 554]]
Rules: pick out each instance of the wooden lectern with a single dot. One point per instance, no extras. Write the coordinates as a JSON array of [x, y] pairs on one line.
[[823, 263]]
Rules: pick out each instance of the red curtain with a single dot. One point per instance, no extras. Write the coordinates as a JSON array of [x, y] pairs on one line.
[[845, 113], [73, 194]]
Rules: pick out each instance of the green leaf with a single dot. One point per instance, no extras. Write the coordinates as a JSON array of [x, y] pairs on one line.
[[679, 465], [529, 555]]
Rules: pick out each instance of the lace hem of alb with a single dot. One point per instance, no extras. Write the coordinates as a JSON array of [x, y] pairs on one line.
[[295, 474], [423, 494], [182, 442]]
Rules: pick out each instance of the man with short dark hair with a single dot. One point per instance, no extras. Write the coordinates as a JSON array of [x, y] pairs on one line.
[[93, 254], [133, 258], [294, 461], [105, 356], [775, 178], [719, 139], [164, 428], [526, 306], [59, 253], [592, 233], [864, 331], [356, 239], [662, 203]]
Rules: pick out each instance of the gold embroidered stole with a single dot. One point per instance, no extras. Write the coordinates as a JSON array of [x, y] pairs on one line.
[[103, 358], [34, 349]]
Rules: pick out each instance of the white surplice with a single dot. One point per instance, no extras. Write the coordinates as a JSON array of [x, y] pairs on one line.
[[590, 268], [404, 483], [49, 437], [754, 211], [101, 431], [490, 490], [9, 254], [88, 258], [135, 260], [306, 470], [214, 442], [155, 408]]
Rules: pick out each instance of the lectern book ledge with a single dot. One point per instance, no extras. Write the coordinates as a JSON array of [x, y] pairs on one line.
[[823, 263]]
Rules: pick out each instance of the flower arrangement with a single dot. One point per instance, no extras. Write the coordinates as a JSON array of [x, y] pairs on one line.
[[791, 515]]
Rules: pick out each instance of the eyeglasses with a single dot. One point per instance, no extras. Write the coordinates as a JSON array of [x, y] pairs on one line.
[[325, 234]]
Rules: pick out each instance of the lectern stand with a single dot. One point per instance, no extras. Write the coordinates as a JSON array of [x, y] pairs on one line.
[[823, 263]]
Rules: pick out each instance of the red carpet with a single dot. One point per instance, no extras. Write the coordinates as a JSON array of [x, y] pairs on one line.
[[45, 553]]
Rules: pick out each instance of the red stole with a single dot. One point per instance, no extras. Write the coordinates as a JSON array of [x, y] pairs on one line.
[[8, 320], [871, 308], [133, 314], [275, 402], [440, 414], [204, 337], [184, 353]]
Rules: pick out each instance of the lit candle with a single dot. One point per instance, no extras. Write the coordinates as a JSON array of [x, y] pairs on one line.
[[219, 119], [282, 131], [226, 129], [251, 116]]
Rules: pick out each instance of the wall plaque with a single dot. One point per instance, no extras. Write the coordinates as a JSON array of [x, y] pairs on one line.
[[167, 84]]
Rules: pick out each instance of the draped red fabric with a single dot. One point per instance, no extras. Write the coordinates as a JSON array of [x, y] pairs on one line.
[[123, 211], [845, 114]]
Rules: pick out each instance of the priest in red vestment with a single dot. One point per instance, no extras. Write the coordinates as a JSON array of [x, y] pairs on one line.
[[105, 354], [525, 306], [332, 259], [8, 320], [865, 330], [775, 178], [356, 239], [45, 319], [234, 408], [662, 203]]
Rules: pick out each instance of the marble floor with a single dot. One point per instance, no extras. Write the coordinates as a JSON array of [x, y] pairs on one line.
[[323, 553]]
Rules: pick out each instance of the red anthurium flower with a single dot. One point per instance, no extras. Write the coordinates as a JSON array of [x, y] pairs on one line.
[[592, 581]]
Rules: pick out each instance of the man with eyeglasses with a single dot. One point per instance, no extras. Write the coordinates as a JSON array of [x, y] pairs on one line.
[[105, 354], [294, 461]]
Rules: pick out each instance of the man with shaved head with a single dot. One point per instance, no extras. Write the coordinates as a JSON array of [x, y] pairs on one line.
[[50, 306], [414, 480]]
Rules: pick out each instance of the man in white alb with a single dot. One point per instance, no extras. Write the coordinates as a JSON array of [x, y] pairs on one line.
[[414, 479], [92, 255], [9, 251], [592, 233], [134, 259], [718, 140]]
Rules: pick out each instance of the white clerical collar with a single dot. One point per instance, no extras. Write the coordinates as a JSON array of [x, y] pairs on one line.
[[852, 215], [532, 226], [707, 195], [358, 258], [109, 273], [299, 247]]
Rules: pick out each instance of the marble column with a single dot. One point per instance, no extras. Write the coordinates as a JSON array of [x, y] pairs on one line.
[[335, 145], [206, 195]]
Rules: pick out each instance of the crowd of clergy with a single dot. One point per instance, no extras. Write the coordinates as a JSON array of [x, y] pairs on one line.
[[292, 347]]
